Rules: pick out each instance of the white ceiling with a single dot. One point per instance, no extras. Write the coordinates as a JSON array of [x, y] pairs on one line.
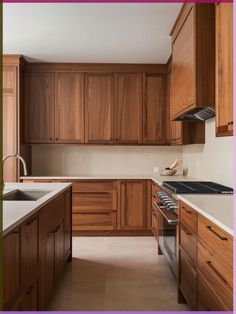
[[66, 32]]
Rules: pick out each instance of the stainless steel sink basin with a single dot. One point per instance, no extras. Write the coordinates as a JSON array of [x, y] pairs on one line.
[[25, 195]]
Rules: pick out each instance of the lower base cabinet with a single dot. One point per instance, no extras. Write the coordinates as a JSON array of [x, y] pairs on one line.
[[35, 254], [188, 279], [207, 300]]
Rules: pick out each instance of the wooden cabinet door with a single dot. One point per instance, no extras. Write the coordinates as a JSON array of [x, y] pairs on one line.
[[133, 205], [154, 116], [29, 301], [68, 222], [99, 108], [29, 251], [128, 122], [9, 112], [187, 279], [47, 265], [39, 107], [207, 300], [224, 69], [183, 68], [59, 249], [176, 132], [69, 108], [11, 266]]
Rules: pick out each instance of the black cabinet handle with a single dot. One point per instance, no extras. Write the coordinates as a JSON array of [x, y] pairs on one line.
[[30, 221], [216, 234], [29, 290], [209, 263]]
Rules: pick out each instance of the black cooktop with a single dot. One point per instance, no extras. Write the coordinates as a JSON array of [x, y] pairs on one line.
[[197, 187]]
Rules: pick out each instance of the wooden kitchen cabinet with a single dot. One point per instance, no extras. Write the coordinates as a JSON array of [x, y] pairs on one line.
[[29, 251], [99, 96], [128, 113], [187, 279], [193, 59], [154, 110], [59, 250], [29, 299], [39, 98], [12, 122], [133, 205], [68, 225], [11, 266], [224, 69], [47, 266], [69, 108]]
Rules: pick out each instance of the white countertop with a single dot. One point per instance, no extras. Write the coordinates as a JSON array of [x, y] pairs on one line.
[[15, 212], [217, 208]]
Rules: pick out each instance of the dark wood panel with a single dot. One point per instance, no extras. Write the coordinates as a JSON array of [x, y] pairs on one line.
[[29, 251], [39, 92], [59, 250], [99, 94], [128, 108], [94, 221], [94, 201], [69, 108], [133, 205], [154, 123], [224, 69], [29, 301]]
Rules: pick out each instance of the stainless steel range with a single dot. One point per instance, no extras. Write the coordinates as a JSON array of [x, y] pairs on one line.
[[166, 208]]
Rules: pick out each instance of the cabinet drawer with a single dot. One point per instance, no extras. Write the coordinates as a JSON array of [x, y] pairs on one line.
[[92, 186], [207, 300], [217, 239], [187, 279], [188, 240], [94, 201], [188, 216], [50, 215], [93, 221], [217, 275], [155, 189]]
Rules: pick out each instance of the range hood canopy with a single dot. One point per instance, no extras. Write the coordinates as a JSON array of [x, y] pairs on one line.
[[197, 114]]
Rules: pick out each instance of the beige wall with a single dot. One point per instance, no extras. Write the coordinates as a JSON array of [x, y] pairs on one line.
[[102, 160], [212, 161]]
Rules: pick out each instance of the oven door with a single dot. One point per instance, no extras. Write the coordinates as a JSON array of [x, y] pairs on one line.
[[167, 235]]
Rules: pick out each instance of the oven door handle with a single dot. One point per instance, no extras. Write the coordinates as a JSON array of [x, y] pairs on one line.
[[170, 220]]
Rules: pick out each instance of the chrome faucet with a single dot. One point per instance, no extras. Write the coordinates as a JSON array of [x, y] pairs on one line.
[[17, 157]]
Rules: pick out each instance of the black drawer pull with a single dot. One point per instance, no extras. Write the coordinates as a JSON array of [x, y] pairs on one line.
[[29, 290], [187, 210], [209, 263], [30, 221], [186, 231], [216, 234]]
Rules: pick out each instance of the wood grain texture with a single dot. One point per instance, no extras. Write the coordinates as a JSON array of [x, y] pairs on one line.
[[11, 264], [29, 251], [188, 217], [154, 114], [29, 300], [94, 202], [224, 69], [188, 279], [69, 108], [59, 250], [219, 276], [133, 205], [188, 241], [39, 95], [91, 186], [10, 122], [128, 108], [99, 93], [207, 300], [183, 68], [216, 239], [94, 221]]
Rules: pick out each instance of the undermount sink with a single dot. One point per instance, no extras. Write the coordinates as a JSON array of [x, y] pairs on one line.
[[25, 195]]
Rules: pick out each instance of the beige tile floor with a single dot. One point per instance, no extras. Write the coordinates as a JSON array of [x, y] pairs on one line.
[[116, 274]]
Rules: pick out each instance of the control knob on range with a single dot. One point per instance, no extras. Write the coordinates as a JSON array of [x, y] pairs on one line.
[[172, 206]]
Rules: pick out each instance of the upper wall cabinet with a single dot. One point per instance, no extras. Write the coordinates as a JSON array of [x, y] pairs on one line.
[[69, 108], [193, 59], [154, 110], [39, 107], [99, 108], [128, 122], [224, 69]]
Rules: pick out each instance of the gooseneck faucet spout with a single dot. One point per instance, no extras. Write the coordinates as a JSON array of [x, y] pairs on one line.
[[17, 157]]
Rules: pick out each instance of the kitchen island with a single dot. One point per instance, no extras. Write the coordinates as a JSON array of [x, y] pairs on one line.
[[37, 242]]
